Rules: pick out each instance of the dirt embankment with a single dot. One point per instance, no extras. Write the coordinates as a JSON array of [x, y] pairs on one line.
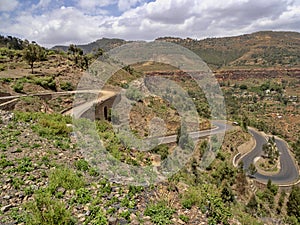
[[243, 74]]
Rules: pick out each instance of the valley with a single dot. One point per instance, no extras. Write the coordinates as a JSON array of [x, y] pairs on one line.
[[51, 173]]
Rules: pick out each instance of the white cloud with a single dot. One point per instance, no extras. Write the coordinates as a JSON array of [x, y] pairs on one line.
[[64, 26], [89, 4], [8, 5], [43, 3], [183, 18], [127, 4]]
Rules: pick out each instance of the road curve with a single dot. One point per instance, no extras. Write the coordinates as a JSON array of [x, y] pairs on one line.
[[220, 127], [288, 172]]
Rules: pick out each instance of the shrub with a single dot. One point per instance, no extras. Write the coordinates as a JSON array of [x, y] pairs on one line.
[[47, 210], [134, 94], [191, 198], [66, 86], [82, 165], [97, 216], [184, 218], [18, 87], [83, 196], [160, 213], [162, 150], [293, 204], [46, 82], [25, 165], [66, 178], [4, 162]]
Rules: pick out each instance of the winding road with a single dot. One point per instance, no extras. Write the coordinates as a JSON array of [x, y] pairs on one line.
[[220, 127], [288, 172]]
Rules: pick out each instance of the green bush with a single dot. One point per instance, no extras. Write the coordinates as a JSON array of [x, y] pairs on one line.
[[52, 126], [134, 94], [97, 216], [82, 165], [162, 150], [46, 210], [66, 178], [125, 214], [18, 87], [83, 196], [66, 86], [46, 82], [4, 162], [160, 213], [24, 165], [184, 218], [191, 198]]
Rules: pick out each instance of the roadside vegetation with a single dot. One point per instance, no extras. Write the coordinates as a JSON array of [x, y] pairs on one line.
[[44, 178]]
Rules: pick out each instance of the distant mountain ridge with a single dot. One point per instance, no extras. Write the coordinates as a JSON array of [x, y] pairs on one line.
[[263, 49], [259, 49], [105, 43]]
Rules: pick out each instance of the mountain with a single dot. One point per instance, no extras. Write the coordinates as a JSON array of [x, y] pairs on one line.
[[105, 43], [260, 49]]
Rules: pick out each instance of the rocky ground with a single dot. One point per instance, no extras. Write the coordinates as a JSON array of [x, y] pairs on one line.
[[28, 163]]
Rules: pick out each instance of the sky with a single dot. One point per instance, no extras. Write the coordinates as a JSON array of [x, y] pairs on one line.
[[62, 22]]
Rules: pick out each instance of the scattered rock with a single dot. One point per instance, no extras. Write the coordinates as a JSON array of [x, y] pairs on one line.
[[112, 221], [5, 116], [6, 197], [133, 216], [6, 208], [61, 190], [122, 221]]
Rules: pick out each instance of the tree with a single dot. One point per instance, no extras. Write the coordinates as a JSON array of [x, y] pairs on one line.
[[76, 53], [98, 52], [33, 53], [227, 194], [241, 182], [293, 204], [252, 205], [271, 150], [252, 169], [272, 187]]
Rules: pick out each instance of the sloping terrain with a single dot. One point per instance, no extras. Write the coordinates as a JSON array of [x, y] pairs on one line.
[[105, 43], [261, 49]]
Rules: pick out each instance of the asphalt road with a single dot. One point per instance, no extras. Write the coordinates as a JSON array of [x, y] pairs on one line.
[[220, 127], [288, 172]]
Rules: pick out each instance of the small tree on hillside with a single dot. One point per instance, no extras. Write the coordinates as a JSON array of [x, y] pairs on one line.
[[252, 169], [293, 204], [33, 53], [76, 52]]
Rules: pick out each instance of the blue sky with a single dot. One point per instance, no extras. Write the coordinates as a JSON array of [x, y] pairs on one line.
[[52, 22]]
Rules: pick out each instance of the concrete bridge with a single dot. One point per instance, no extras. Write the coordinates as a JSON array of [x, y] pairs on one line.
[[96, 109]]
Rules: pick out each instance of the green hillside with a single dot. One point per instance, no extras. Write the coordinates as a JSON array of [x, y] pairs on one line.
[[105, 43], [261, 49]]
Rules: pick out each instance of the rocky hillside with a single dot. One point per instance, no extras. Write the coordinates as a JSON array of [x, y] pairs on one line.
[[261, 49]]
